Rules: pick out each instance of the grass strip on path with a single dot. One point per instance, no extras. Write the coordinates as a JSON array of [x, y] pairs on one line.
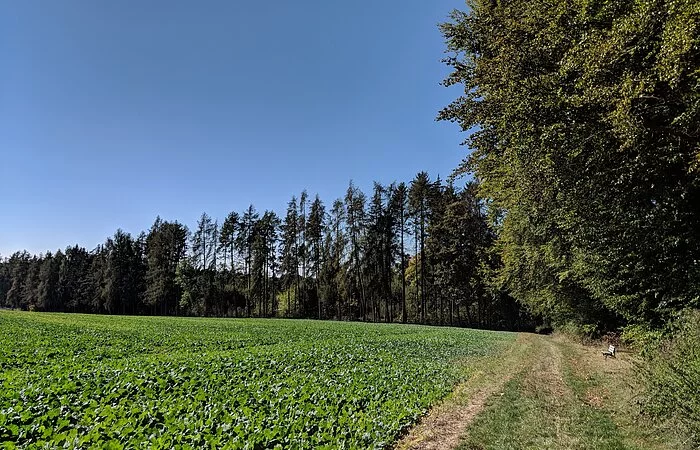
[[565, 396], [445, 424]]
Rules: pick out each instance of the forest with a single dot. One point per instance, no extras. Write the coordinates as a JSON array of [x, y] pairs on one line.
[[416, 252]]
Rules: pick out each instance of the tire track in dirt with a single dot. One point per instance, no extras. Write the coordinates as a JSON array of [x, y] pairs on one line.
[[567, 396], [444, 426], [546, 381]]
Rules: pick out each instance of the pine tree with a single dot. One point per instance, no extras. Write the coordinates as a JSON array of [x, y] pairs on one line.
[[75, 280], [290, 257], [204, 243], [244, 242], [166, 246], [400, 200], [332, 261], [227, 238], [419, 195], [48, 288], [302, 251], [314, 238], [356, 221]]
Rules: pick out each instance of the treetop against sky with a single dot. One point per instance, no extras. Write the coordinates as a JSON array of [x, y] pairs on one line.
[[113, 114]]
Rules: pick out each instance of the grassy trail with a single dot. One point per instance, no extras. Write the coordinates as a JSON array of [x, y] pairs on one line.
[[545, 392]]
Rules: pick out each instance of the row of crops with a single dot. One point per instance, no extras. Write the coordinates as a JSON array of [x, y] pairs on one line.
[[80, 381]]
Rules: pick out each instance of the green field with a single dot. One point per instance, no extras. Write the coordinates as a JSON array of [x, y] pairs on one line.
[[130, 382]]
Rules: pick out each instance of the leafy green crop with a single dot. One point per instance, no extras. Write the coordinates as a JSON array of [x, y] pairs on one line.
[[135, 382]]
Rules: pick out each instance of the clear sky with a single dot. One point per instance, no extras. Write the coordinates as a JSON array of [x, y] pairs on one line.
[[114, 112]]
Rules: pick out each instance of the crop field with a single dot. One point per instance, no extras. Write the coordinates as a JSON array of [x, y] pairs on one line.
[[81, 381]]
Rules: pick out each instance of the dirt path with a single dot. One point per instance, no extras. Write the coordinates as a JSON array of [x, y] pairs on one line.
[[543, 392], [446, 423]]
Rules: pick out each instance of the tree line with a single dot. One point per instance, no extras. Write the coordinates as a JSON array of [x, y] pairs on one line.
[[419, 252]]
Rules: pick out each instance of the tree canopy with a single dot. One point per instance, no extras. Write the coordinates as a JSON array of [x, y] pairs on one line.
[[584, 119], [350, 262]]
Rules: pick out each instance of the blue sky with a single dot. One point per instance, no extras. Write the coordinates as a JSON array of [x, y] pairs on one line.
[[114, 112]]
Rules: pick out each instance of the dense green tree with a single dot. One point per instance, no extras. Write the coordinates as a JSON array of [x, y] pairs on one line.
[[166, 246], [314, 243], [585, 142], [187, 278], [48, 290], [400, 208], [373, 252], [332, 265], [289, 263], [76, 288], [5, 280], [355, 219], [123, 274], [204, 289], [273, 224], [458, 239], [98, 279], [302, 251], [245, 240], [380, 244], [18, 270], [419, 200], [204, 243], [227, 238], [30, 288], [264, 238]]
